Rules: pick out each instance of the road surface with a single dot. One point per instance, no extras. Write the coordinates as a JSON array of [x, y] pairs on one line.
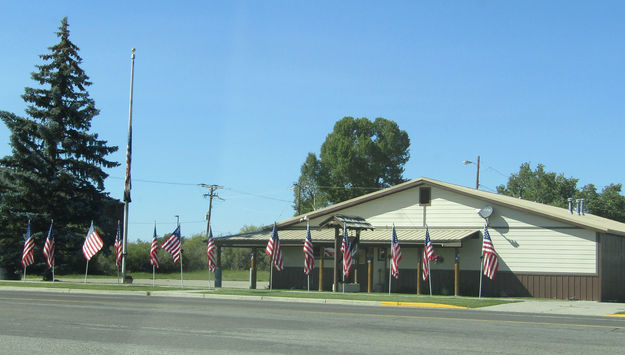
[[56, 323]]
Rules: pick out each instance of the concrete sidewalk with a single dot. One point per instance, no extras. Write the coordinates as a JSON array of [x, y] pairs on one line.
[[562, 307]]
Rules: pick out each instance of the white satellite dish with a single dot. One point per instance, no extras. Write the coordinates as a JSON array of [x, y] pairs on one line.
[[485, 211]]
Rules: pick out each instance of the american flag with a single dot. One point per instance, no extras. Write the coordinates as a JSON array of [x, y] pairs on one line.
[[210, 251], [118, 248], [127, 183], [428, 254], [48, 248], [154, 249], [328, 252], [309, 257], [274, 251], [490, 257], [93, 243], [395, 255], [28, 255], [347, 253], [173, 245]]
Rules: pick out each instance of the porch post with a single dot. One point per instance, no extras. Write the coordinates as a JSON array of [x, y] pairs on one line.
[[321, 254], [457, 273], [218, 268], [335, 270], [369, 272], [419, 253], [253, 269]]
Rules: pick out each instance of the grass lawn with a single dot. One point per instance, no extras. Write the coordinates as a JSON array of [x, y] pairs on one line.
[[227, 275], [75, 281]]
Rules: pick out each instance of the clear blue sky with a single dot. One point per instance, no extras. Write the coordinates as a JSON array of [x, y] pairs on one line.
[[237, 93]]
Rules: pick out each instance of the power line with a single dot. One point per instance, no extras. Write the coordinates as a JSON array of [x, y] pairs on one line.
[[157, 182]]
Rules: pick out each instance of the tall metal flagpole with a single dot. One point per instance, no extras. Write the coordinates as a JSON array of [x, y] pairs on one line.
[[181, 251], [154, 267], [390, 268], [307, 230], [127, 184], [430, 277]]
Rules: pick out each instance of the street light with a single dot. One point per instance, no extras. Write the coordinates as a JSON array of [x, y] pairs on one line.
[[477, 179]]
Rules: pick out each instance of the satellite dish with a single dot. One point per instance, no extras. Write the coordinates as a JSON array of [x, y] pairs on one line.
[[485, 212]]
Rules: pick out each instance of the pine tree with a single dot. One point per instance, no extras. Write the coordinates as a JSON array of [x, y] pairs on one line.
[[56, 166]]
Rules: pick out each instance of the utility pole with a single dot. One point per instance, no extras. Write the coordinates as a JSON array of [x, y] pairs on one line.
[[299, 198], [211, 194]]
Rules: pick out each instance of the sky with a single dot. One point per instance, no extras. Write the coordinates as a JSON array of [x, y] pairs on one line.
[[237, 93]]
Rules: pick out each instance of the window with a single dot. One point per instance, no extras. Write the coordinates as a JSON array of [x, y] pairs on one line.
[[425, 195]]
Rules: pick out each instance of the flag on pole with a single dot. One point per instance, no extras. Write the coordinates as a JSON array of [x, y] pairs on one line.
[[490, 257], [274, 251], [48, 248], [118, 248], [210, 251], [347, 253], [28, 255], [328, 252], [93, 243], [355, 246], [309, 257], [395, 255], [127, 182], [154, 249], [173, 245], [428, 254]]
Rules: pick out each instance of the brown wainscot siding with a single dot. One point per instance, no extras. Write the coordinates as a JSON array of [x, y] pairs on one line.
[[507, 284]]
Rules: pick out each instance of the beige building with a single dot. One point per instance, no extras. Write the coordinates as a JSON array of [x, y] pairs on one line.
[[543, 251]]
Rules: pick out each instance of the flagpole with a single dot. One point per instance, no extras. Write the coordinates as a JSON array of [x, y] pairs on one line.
[[482, 264], [53, 273], [390, 274], [153, 275], [127, 183], [86, 269], [481, 273], [271, 276], [24, 273], [181, 282], [430, 277]]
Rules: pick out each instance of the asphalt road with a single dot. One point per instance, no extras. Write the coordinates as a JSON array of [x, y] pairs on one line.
[[54, 323]]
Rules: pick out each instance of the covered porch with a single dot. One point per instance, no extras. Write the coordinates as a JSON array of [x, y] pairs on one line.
[[371, 270]]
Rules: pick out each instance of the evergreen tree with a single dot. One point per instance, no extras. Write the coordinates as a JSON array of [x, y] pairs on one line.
[[55, 170]]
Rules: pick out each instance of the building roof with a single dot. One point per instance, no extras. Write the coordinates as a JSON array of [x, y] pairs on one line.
[[324, 236], [587, 221], [351, 222]]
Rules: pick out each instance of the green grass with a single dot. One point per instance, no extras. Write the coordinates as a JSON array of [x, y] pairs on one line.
[[227, 275], [75, 285], [71, 284], [75, 281]]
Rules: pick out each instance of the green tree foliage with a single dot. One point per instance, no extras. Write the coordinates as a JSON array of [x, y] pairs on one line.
[[553, 189], [540, 186], [240, 258], [55, 170], [357, 157], [308, 195]]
